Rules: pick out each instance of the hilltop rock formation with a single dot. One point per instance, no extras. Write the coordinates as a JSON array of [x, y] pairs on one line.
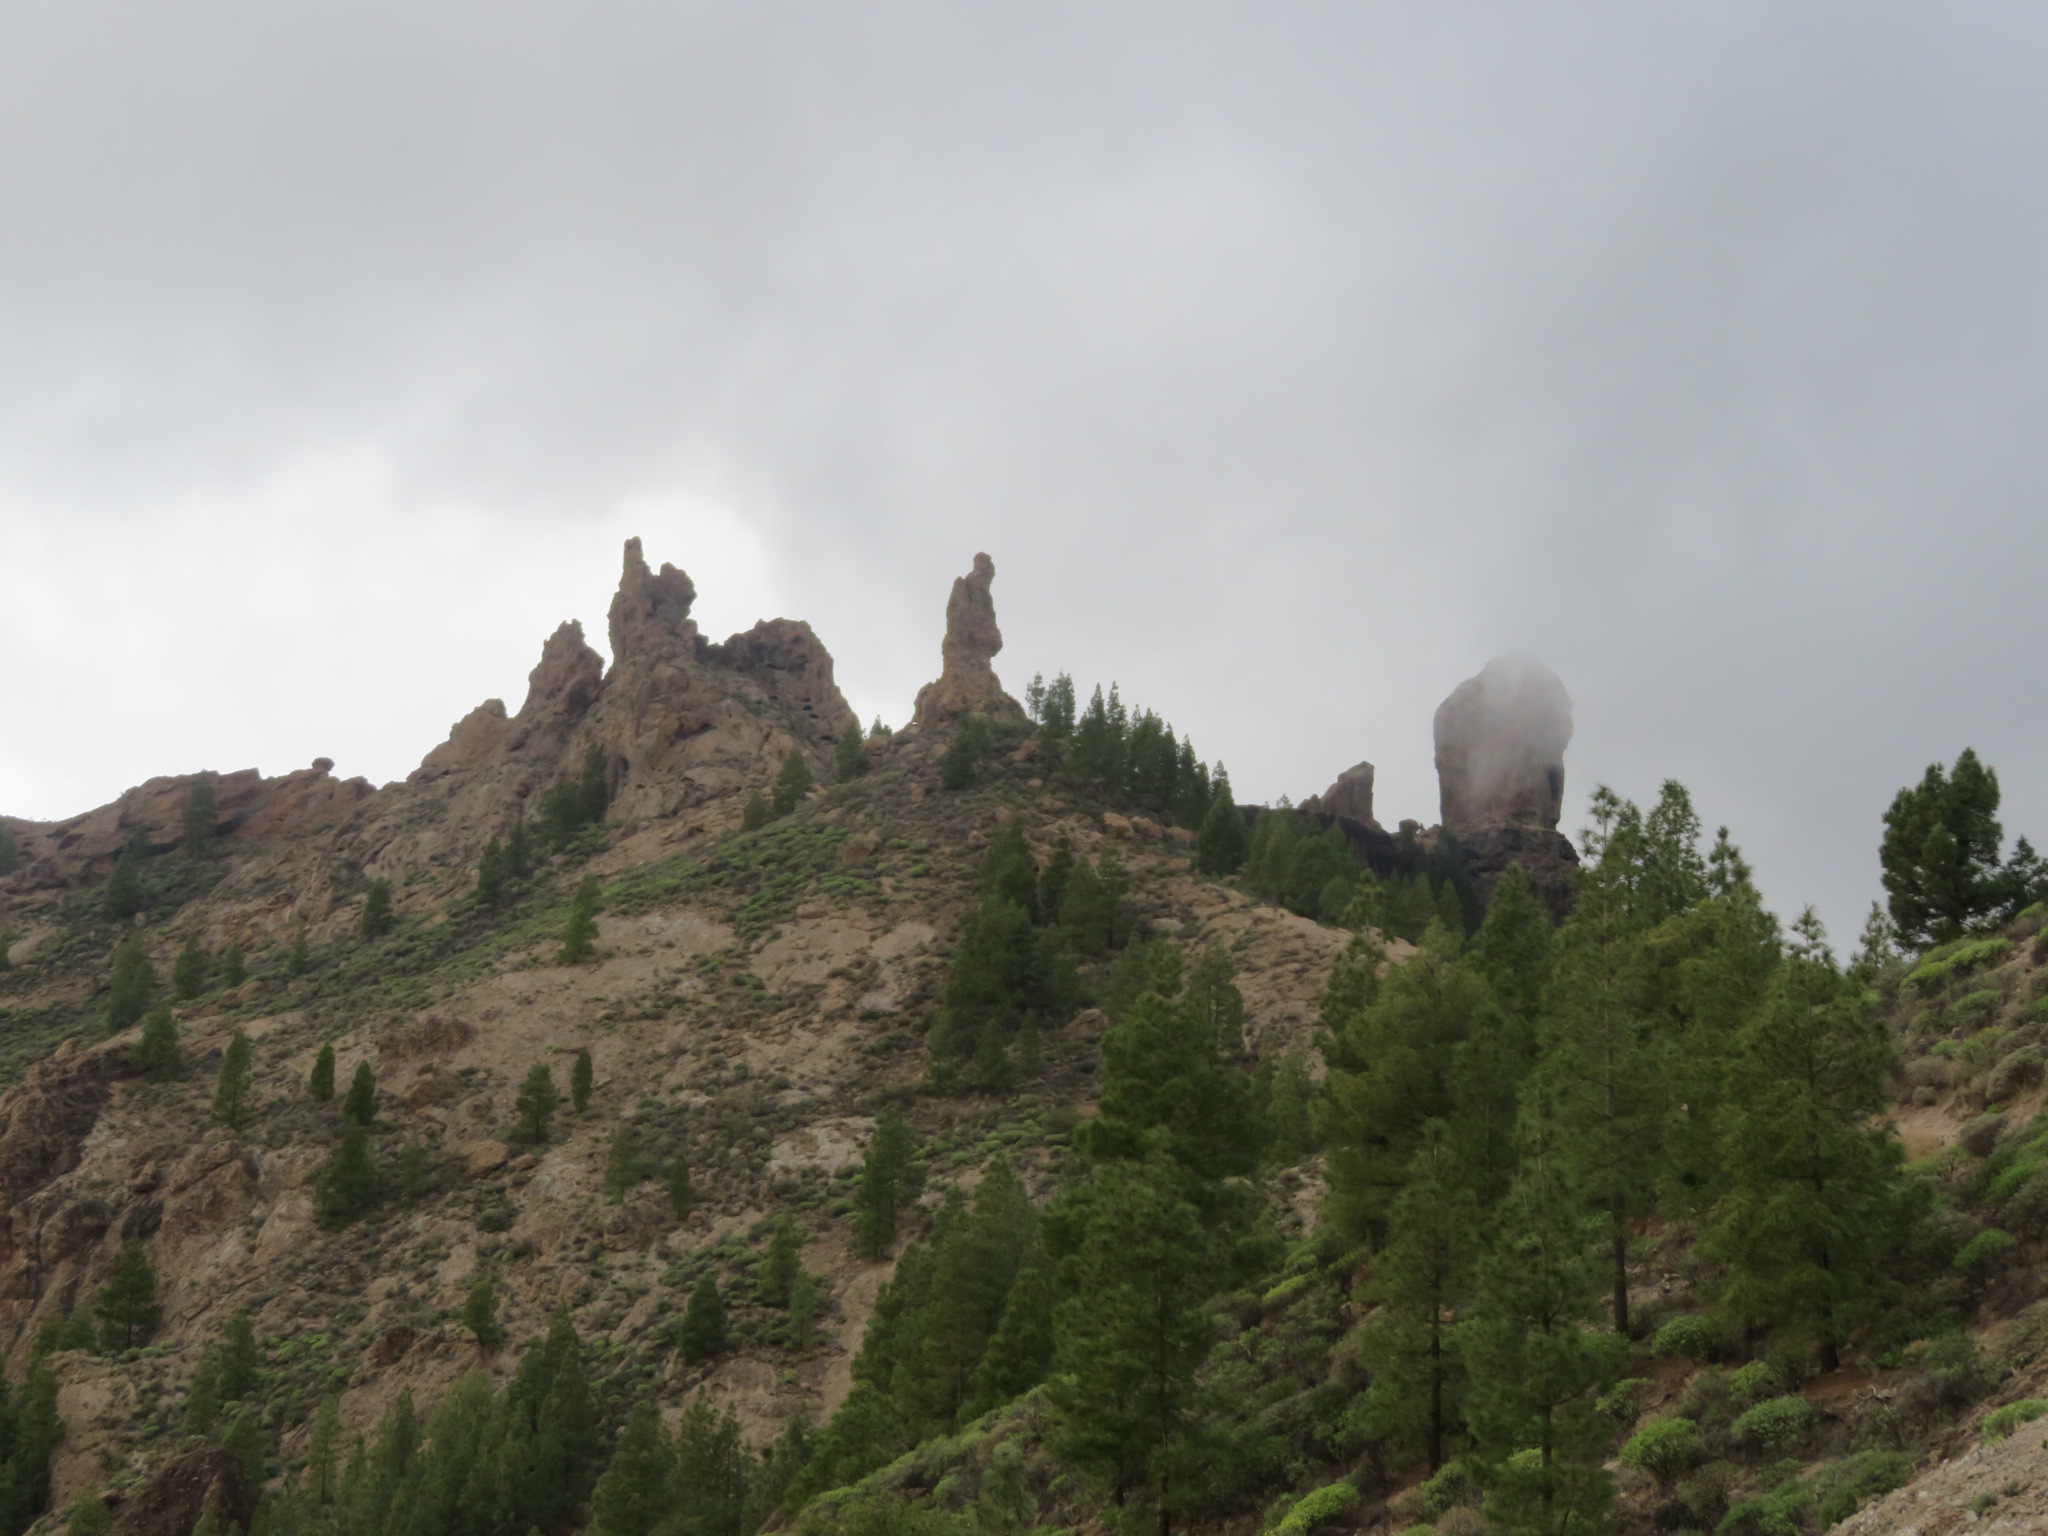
[[1500, 742], [679, 720], [966, 682], [246, 805], [1350, 797]]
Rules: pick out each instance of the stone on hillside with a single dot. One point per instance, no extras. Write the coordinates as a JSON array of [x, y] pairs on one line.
[[966, 682], [1350, 796]]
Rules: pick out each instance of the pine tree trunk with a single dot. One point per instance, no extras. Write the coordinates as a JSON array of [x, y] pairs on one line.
[[1620, 1271], [1436, 1392]]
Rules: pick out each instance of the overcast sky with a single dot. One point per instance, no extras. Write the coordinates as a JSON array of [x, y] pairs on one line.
[[1290, 360]]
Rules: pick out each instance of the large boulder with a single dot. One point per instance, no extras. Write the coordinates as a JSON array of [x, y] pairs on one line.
[[1500, 740], [966, 682], [1350, 797]]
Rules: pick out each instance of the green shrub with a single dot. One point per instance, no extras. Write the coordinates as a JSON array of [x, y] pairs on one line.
[[1756, 1380], [1840, 1488], [1777, 1424], [1452, 1486], [2001, 1422], [1313, 1509], [2023, 1068], [1981, 1251], [1973, 1008], [1696, 1338], [1665, 1448], [1955, 960]]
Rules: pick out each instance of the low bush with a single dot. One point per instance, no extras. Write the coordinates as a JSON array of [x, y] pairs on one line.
[[1700, 1339], [1776, 1424], [1313, 1509], [1840, 1488], [1983, 1250], [2001, 1422], [1665, 1449], [1756, 1381]]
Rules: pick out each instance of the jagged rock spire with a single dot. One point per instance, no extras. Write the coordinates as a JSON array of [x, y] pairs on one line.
[[966, 681]]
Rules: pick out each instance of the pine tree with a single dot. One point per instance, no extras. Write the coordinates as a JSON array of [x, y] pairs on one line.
[[491, 875], [301, 958], [884, 1174], [320, 1081], [10, 852], [849, 757], [376, 919], [711, 1466], [157, 1054], [1213, 1003], [133, 981], [1606, 1073], [579, 936], [757, 814], [238, 1358], [1087, 911], [1165, 1092], [793, 783], [682, 1193], [234, 966], [595, 786], [318, 1480], [536, 1103], [234, 1089], [188, 971], [1397, 1064], [1020, 1352], [126, 1303], [518, 850], [123, 896], [1940, 852], [1132, 1334], [1420, 1280], [581, 1077], [622, 1165], [783, 1263], [703, 1333], [1815, 1200], [961, 761], [247, 1443], [359, 1106], [201, 820], [1221, 843], [1536, 1366], [346, 1185], [202, 1400], [480, 1314], [637, 1490]]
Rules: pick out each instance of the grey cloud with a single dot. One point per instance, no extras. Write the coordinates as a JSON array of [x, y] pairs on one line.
[[1290, 360]]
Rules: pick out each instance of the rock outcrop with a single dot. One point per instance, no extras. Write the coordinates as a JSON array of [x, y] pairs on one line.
[[1350, 797], [1500, 742], [246, 805], [966, 682], [678, 719]]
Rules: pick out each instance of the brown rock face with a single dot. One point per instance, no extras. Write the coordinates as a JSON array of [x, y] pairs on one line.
[[966, 681], [1350, 796], [1500, 740], [203, 1478], [679, 720]]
